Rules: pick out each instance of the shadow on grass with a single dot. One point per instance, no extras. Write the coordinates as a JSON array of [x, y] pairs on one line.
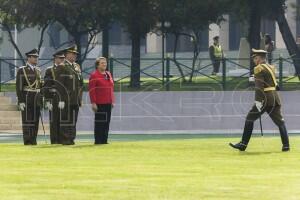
[[77, 146], [259, 153]]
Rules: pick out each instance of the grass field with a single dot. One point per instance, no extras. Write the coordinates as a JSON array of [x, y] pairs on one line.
[[158, 169]]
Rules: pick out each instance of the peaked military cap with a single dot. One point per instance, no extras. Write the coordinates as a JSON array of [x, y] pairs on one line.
[[33, 52], [71, 49], [59, 54], [216, 37], [256, 52]]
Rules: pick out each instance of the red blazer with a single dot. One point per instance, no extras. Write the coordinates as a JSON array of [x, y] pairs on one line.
[[101, 88]]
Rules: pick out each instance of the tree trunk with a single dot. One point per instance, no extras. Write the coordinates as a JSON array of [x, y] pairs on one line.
[[77, 39], [135, 61], [105, 42], [42, 36], [174, 57], [12, 41], [195, 57], [289, 40], [254, 28]]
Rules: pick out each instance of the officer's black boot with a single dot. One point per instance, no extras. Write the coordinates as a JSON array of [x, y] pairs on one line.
[[248, 128], [284, 138], [240, 146]]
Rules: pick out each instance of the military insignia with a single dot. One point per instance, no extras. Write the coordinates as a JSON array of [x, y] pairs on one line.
[[257, 69]]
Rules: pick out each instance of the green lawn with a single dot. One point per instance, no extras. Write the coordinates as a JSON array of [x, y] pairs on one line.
[[185, 169]]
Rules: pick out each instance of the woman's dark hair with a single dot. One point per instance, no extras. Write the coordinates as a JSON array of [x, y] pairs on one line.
[[98, 61]]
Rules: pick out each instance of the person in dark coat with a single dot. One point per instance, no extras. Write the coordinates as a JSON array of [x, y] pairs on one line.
[[70, 85], [28, 85], [266, 100], [51, 95]]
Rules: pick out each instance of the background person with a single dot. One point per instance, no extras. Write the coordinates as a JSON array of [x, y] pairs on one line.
[[216, 55], [101, 91], [269, 47]]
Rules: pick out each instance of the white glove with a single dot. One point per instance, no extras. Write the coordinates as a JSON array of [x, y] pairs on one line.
[[258, 105], [251, 79], [49, 106], [61, 105], [22, 106]]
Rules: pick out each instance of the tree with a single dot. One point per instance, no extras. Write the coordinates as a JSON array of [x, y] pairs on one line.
[[189, 18], [21, 14], [106, 13], [138, 17], [278, 10], [198, 16], [78, 19], [254, 10]]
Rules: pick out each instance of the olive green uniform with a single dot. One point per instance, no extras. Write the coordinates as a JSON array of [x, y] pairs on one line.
[[265, 92], [71, 82], [51, 95], [28, 84]]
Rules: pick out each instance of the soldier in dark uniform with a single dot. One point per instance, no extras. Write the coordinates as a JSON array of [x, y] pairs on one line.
[[71, 79], [266, 100], [51, 95], [28, 84]]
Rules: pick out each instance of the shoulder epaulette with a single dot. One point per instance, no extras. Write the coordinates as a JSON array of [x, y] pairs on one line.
[[49, 67], [258, 69]]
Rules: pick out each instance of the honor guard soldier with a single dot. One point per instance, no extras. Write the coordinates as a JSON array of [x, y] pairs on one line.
[[28, 84], [71, 79], [51, 94], [266, 100]]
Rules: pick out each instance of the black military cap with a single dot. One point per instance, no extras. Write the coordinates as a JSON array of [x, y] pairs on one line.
[[59, 54], [71, 49], [33, 52], [216, 37], [258, 52]]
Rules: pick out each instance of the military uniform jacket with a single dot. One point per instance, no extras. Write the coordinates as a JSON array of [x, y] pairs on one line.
[[265, 85], [50, 88], [28, 84], [70, 83]]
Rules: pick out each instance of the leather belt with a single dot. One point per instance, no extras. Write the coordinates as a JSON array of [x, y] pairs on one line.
[[31, 90], [269, 89], [52, 90]]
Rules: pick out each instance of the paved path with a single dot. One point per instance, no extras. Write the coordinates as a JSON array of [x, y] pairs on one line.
[[187, 112]]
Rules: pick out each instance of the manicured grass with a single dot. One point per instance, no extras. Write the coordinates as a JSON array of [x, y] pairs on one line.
[[186, 169]]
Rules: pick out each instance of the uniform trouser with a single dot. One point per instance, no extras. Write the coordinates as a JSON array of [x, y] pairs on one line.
[[275, 114], [216, 65], [102, 121], [30, 124], [69, 116], [54, 115]]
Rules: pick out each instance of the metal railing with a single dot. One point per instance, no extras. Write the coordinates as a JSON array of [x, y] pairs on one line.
[[164, 72]]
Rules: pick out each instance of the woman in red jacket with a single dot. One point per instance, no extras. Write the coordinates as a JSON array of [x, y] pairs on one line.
[[101, 91]]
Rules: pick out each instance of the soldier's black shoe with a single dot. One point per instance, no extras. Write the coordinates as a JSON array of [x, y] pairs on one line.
[[240, 146], [285, 148]]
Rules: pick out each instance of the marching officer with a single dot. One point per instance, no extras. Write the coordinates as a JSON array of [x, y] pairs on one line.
[[216, 55], [51, 94], [266, 100], [71, 80], [28, 84]]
